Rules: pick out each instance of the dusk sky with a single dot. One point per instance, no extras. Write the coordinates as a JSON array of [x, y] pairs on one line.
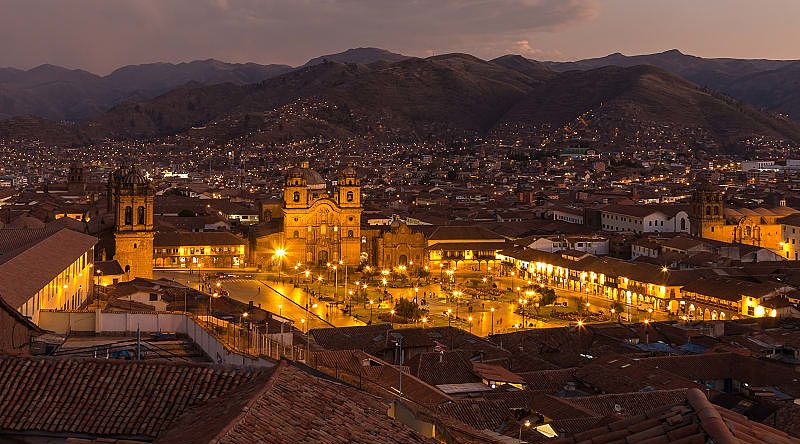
[[100, 35]]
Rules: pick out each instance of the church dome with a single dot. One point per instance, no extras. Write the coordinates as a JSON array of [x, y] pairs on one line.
[[135, 177], [349, 171]]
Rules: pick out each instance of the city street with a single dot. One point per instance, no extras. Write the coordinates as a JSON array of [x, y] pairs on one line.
[[282, 299]]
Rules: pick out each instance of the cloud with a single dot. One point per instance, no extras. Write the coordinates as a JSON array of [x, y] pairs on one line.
[[100, 35]]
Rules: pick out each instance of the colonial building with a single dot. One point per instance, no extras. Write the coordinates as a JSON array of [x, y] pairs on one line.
[[711, 220], [321, 226], [132, 195], [194, 250], [45, 268], [400, 246]]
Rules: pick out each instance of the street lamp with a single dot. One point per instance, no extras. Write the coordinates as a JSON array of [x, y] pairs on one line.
[[526, 425], [280, 309], [424, 321], [449, 316], [492, 328], [280, 253], [470, 324], [370, 311]]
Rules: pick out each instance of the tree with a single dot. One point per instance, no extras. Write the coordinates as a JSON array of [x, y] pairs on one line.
[[409, 310], [618, 308], [548, 296]]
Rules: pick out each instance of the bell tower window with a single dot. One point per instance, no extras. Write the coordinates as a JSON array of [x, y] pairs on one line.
[[296, 196], [350, 196], [128, 215], [140, 215]]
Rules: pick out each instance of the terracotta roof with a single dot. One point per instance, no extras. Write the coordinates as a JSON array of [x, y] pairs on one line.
[[32, 267], [122, 399], [464, 233], [482, 415], [293, 406], [497, 373], [694, 421], [442, 368]]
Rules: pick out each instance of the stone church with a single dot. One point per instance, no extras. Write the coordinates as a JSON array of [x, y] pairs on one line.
[[711, 220], [321, 225]]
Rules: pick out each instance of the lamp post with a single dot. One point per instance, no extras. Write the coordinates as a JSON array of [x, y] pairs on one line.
[[370, 311], [280, 253], [449, 316], [335, 283], [470, 324], [526, 425], [492, 328]]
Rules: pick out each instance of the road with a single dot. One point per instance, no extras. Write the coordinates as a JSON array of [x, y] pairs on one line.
[[283, 299]]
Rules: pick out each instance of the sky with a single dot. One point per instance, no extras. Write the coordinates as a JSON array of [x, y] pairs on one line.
[[100, 35]]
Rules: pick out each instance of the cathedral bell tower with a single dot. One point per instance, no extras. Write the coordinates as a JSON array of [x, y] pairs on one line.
[[706, 210], [133, 196], [349, 189], [295, 191], [76, 180]]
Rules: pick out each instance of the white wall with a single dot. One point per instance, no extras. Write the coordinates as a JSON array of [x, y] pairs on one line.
[[63, 322]]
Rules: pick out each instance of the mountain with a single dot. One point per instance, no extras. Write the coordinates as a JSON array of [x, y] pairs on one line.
[[63, 94], [440, 96], [645, 96], [157, 78], [358, 55], [456, 92], [711, 72], [771, 84], [777, 90], [531, 68]]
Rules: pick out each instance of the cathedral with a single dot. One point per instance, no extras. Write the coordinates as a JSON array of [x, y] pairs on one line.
[[130, 196], [711, 220], [321, 227]]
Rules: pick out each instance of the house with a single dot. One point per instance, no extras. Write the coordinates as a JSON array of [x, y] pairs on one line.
[[645, 218]]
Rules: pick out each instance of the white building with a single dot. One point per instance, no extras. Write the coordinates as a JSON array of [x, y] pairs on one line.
[[645, 218], [568, 215]]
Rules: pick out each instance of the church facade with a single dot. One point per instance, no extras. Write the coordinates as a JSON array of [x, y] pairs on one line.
[[710, 219], [321, 226]]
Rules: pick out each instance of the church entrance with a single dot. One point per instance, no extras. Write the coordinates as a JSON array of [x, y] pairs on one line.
[[322, 258], [403, 259]]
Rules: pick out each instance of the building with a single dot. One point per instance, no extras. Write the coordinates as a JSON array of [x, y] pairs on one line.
[[460, 244], [400, 246], [790, 237], [189, 249], [45, 268], [318, 226], [759, 226], [645, 218], [133, 196]]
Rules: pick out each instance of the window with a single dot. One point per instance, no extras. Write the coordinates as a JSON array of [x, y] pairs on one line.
[[716, 211], [128, 215], [350, 196], [349, 233], [296, 196], [140, 215], [296, 234], [708, 211]]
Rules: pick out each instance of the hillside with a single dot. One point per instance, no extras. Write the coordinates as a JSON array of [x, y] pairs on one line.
[[650, 96], [441, 95]]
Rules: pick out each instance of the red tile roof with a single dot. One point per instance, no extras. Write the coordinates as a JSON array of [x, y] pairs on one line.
[[293, 406], [104, 397], [694, 421]]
